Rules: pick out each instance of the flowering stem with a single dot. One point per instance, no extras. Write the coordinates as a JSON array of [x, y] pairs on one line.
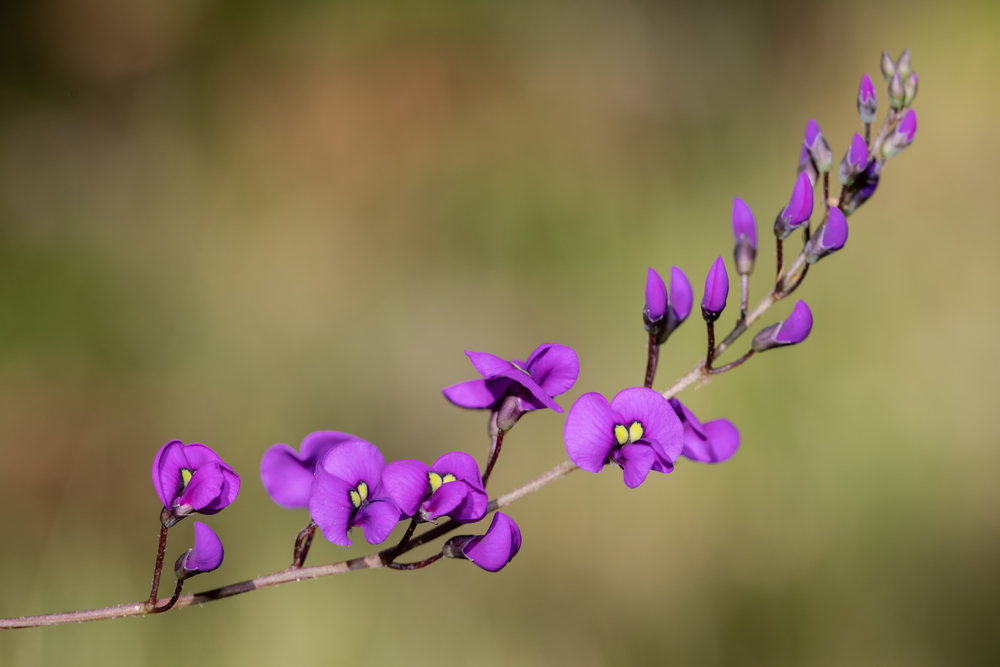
[[493, 458], [868, 134], [826, 199], [778, 255], [160, 551], [711, 346], [744, 298], [731, 364], [652, 359], [419, 564], [173, 600], [403, 542], [303, 541]]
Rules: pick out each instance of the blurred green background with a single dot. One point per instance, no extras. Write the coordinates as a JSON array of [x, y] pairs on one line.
[[237, 222]]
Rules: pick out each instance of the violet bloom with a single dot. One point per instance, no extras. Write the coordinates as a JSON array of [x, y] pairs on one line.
[[287, 475], [639, 432], [681, 295], [551, 370], [206, 555], [819, 150], [791, 331], [656, 296], [192, 478], [451, 486], [902, 136], [347, 491], [745, 235], [863, 187], [716, 291], [798, 210], [491, 551], [829, 238], [855, 160], [867, 100], [712, 442]]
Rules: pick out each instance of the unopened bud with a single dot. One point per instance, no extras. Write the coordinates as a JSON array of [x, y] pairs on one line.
[[455, 547], [903, 64], [510, 411], [716, 291], [901, 136], [867, 100], [745, 235], [798, 210], [791, 331], [206, 555], [829, 238], [818, 148], [855, 160], [897, 92], [862, 188], [888, 66], [910, 88]]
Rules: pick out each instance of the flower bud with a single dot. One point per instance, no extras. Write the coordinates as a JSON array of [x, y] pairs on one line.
[[829, 238], [491, 551], [867, 100], [806, 166], [745, 234], [455, 547], [863, 187], [798, 210], [677, 306], [903, 64], [681, 295], [791, 331], [818, 148], [510, 411], [901, 136], [716, 291], [855, 160], [910, 88], [656, 296], [888, 66], [206, 555], [897, 92]]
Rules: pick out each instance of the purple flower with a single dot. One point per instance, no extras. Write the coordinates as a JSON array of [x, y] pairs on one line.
[[551, 370], [863, 187], [206, 555], [451, 487], [192, 478], [791, 331], [902, 136], [656, 295], [713, 442], [829, 238], [798, 210], [745, 234], [716, 291], [491, 551], [347, 491], [855, 160], [681, 295], [819, 150], [867, 100], [287, 475], [639, 432]]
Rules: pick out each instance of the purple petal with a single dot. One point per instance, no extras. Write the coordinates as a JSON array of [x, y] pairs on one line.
[[800, 206], [681, 294], [355, 461], [497, 547], [636, 462], [798, 325], [657, 416], [555, 368], [835, 231], [448, 496], [663, 461], [461, 465], [908, 127], [377, 519], [477, 394], [493, 367], [656, 295], [167, 465], [688, 419], [207, 553], [725, 439], [589, 431], [330, 506], [489, 365], [866, 91], [405, 482], [285, 477], [204, 487], [812, 131], [199, 455], [716, 287], [858, 152], [315, 445], [744, 222], [227, 494], [473, 508]]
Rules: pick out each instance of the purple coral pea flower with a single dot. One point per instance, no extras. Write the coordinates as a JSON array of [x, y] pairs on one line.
[[798, 210], [745, 235], [656, 295], [639, 432], [902, 136], [716, 291], [867, 100], [192, 478], [829, 238], [347, 491], [551, 370], [790, 331], [855, 160], [819, 150], [287, 475], [205, 556], [491, 551], [451, 486], [712, 442]]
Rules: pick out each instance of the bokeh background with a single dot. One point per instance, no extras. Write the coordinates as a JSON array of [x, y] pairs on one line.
[[237, 222]]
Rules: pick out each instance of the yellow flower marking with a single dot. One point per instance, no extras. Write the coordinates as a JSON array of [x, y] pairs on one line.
[[437, 480], [621, 434], [186, 476], [635, 432], [358, 494]]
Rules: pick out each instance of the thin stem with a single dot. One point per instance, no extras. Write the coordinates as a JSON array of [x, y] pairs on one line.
[[792, 272], [711, 346], [158, 568], [826, 200], [493, 458], [779, 258], [403, 542], [868, 133], [173, 600], [652, 359], [303, 541], [731, 365], [419, 564], [744, 297]]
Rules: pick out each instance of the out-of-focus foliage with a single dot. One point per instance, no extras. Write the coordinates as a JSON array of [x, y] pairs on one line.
[[239, 222]]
